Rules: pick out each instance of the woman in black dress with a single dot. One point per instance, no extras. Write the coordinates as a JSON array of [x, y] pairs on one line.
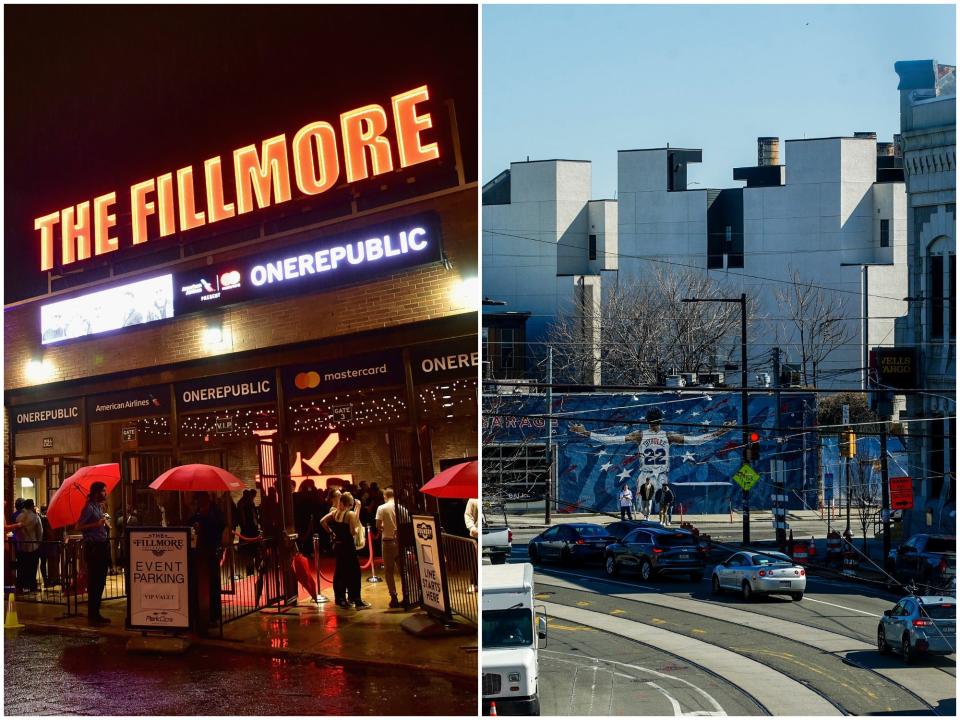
[[342, 523]]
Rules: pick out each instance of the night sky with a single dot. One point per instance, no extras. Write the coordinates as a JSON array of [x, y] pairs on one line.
[[101, 97]]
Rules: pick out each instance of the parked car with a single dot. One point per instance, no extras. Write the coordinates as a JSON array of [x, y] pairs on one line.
[[620, 529], [919, 624], [753, 574], [496, 538], [925, 559], [656, 551], [569, 543]]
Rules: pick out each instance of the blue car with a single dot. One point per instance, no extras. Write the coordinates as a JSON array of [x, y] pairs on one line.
[[569, 543], [919, 625]]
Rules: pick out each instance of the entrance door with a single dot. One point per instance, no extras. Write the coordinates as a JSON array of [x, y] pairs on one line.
[[58, 470], [137, 471]]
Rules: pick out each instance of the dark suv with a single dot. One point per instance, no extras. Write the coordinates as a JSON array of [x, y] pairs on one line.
[[655, 551]]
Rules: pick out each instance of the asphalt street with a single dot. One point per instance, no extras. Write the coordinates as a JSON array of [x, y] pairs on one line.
[[47, 674], [608, 639]]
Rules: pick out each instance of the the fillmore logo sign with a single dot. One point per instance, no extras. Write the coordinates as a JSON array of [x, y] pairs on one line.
[[158, 544], [170, 203]]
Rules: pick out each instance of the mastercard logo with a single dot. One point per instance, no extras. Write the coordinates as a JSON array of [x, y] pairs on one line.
[[230, 278], [307, 380]]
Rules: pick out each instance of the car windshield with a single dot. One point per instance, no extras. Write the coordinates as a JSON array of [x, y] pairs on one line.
[[675, 540], [940, 544], [591, 531], [771, 559], [941, 611], [507, 628]]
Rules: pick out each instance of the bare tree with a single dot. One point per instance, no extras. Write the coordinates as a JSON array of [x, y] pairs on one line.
[[646, 331], [864, 495], [819, 321]]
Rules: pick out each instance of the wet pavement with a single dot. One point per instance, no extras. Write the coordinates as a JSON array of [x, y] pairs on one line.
[[49, 674]]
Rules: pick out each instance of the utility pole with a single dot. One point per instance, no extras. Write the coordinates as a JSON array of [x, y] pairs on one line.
[[778, 486], [744, 399], [548, 497], [744, 395], [885, 492]]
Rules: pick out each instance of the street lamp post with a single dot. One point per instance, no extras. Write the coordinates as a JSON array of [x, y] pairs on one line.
[[744, 397]]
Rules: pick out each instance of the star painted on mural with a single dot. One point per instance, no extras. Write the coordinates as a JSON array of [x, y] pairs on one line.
[[695, 413], [707, 398], [602, 452], [625, 475], [606, 466], [678, 412], [688, 457]]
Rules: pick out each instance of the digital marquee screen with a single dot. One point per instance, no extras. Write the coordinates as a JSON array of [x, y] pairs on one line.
[[135, 303]]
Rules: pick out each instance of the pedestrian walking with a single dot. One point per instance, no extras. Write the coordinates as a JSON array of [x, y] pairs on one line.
[[344, 526], [626, 503], [645, 495], [96, 550], [666, 503], [387, 527]]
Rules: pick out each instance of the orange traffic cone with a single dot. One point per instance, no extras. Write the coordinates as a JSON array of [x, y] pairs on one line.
[[493, 709]]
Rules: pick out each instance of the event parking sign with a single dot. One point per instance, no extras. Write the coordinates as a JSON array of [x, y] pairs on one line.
[[159, 578]]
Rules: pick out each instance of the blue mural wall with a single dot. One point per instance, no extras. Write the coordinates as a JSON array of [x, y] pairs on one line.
[[590, 473]]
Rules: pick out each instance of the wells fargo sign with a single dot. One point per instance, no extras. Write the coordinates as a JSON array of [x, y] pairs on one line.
[[895, 367], [264, 176]]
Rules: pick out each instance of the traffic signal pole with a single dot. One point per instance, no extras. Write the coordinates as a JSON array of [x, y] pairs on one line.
[[885, 492], [744, 397]]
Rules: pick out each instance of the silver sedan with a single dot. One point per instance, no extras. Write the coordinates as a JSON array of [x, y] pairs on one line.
[[752, 573]]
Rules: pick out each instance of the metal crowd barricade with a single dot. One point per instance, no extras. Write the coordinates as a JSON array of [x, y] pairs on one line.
[[61, 573], [460, 559], [251, 578]]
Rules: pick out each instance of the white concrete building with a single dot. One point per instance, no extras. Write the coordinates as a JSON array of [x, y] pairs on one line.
[[928, 123], [545, 244], [824, 214], [833, 212]]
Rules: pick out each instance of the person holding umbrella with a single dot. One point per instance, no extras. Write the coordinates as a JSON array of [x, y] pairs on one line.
[[96, 549]]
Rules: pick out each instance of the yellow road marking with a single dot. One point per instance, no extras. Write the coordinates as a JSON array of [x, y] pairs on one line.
[[658, 621], [571, 628], [584, 603], [789, 657], [698, 631], [618, 611], [542, 596]]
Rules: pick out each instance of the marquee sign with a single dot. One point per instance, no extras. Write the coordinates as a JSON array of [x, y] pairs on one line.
[[48, 414], [255, 178], [245, 388], [312, 266], [350, 373]]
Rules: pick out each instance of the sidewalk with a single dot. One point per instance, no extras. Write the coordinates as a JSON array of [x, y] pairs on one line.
[[324, 632]]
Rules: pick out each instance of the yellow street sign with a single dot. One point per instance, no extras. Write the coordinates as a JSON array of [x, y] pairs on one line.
[[746, 477]]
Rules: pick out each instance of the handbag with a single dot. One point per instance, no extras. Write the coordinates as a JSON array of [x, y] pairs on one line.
[[359, 538]]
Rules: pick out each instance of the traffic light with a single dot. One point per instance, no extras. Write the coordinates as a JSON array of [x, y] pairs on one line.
[[848, 444], [753, 446]]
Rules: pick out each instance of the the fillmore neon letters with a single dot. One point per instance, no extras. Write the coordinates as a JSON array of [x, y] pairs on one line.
[[260, 178], [355, 253]]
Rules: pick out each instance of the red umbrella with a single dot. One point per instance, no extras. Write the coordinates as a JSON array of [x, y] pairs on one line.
[[68, 501], [197, 478], [459, 481]]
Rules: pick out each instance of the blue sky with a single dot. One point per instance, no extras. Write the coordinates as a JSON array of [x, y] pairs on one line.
[[581, 82]]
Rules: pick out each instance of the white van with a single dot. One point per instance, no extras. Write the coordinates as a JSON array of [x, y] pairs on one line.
[[512, 633]]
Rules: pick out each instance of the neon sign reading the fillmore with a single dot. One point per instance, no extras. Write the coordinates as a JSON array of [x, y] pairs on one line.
[[327, 259], [259, 177]]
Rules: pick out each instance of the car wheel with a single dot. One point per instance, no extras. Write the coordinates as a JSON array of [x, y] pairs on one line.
[[696, 577], [882, 640], [535, 707], [909, 654], [565, 557], [610, 566], [715, 586], [797, 596], [646, 569], [746, 591], [533, 553]]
